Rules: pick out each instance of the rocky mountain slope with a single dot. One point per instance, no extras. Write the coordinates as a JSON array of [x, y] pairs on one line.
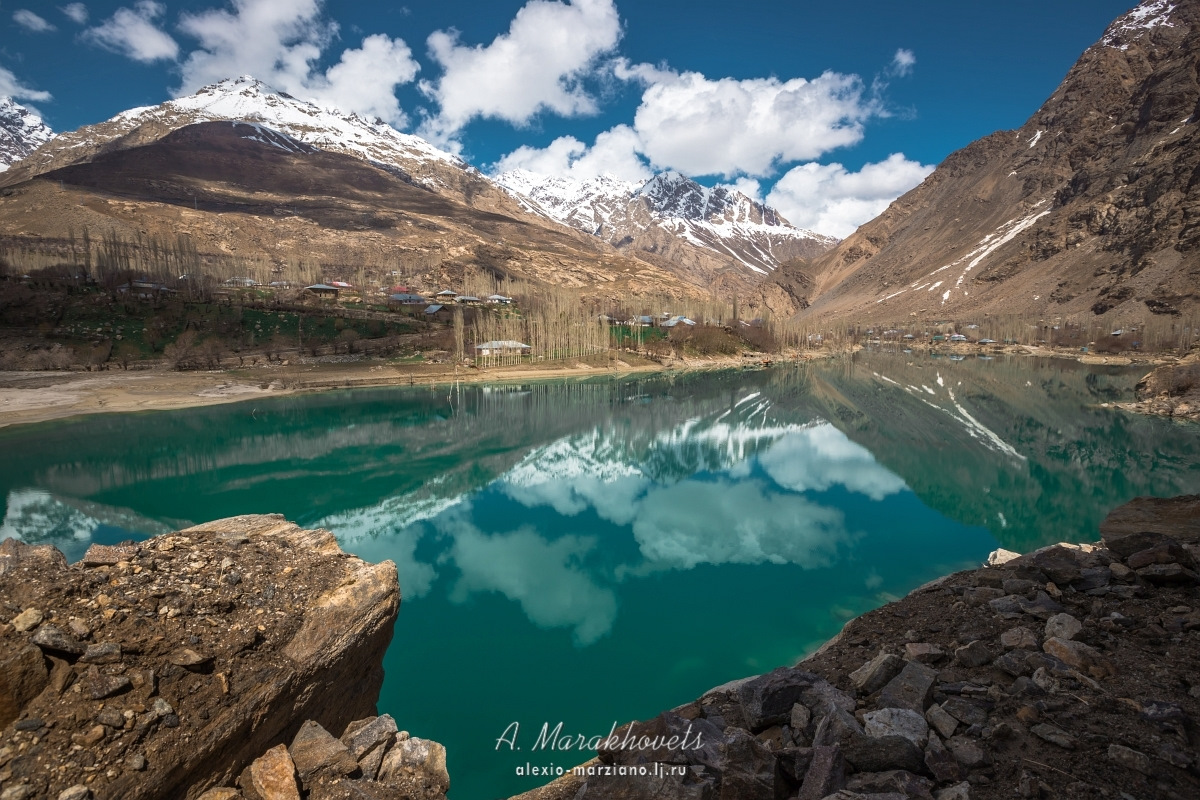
[[21, 132], [1091, 207], [1068, 672], [245, 192], [706, 231]]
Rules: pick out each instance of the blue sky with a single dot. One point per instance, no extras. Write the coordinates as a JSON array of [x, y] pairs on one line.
[[824, 110]]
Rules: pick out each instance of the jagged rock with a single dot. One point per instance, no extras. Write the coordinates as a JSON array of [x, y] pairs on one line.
[[879, 754], [924, 652], [365, 735], [1082, 657], [967, 751], [940, 762], [937, 717], [104, 653], [1020, 638], [959, 791], [52, 639], [792, 764], [22, 677], [22, 791], [221, 794], [897, 781], [1001, 556], [99, 555], [76, 792], [874, 675], [1168, 575], [911, 689], [1129, 758], [1063, 626], [314, 751], [972, 655], [1014, 662], [964, 711], [897, 722], [800, 717], [837, 727], [272, 776], [28, 619], [768, 699], [416, 765], [749, 768], [1054, 735], [189, 659], [980, 595], [826, 774]]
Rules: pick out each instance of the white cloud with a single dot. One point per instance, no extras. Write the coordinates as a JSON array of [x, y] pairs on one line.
[[278, 41], [76, 12], [747, 186], [544, 577], [814, 459], [536, 66], [11, 86], [613, 153], [697, 522], [31, 21], [132, 32], [903, 62], [831, 199], [745, 127]]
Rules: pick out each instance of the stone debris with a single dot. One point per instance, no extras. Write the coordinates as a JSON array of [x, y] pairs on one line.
[[140, 673], [1069, 672]]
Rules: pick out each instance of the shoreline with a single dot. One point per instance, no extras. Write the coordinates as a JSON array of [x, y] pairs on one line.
[[32, 397]]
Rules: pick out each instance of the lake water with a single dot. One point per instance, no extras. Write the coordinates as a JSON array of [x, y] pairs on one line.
[[598, 551]]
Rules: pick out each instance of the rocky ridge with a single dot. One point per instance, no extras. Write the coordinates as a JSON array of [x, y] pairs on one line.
[[1171, 390], [1091, 207], [1068, 672], [164, 669], [21, 132], [706, 230]]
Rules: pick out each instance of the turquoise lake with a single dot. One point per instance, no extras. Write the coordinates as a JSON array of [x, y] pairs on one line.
[[596, 551]]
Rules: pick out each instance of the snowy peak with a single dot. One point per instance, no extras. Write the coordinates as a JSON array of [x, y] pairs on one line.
[[731, 226], [1148, 14], [21, 132]]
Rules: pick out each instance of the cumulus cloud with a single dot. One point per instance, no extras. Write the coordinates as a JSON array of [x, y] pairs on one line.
[[833, 200], [537, 66], [614, 153], [133, 32], [31, 21], [278, 41], [545, 577], [814, 459], [695, 522], [76, 12], [903, 62], [614, 499], [11, 86], [735, 127]]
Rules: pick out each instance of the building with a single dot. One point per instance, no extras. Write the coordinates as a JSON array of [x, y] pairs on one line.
[[499, 298], [321, 290], [406, 299], [499, 348]]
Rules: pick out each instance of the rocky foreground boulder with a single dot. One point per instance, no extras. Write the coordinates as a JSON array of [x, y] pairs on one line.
[[1070, 672], [167, 669]]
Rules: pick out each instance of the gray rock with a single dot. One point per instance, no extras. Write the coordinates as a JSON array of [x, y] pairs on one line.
[[1169, 552], [793, 763], [22, 791], [1129, 758], [898, 781], [939, 719], [31, 724], [1063, 626], [1014, 662], [1001, 556], [161, 708], [959, 791], [111, 717], [362, 739], [53, 639], [749, 768], [979, 595], [1082, 657], [924, 652], [76, 792], [416, 762], [136, 762], [1041, 607], [1054, 735], [940, 762], [102, 555], [874, 675], [800, 717], [897, 722], [1168, 575], [98, 686], [105, 653], [768, 699], [965, 711], [972, 655], [878, 754], [911, 689], [1010, 606], [837, 727], [822, 698], [314, 751], [1018, 586], [826, 774], [967, 752], [1093, 578]]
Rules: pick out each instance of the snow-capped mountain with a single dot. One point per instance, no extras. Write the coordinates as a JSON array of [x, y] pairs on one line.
[[21, 132], [646, 215], [249, 100]]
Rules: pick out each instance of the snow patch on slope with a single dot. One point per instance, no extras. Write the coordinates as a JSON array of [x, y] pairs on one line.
[[21, 132]]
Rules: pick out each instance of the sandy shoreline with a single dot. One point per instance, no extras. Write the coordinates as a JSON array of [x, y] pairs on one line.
[[30, 397]]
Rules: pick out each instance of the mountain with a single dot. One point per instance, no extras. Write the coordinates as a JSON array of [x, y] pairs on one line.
[[250, 100], [21, 132], [1092, 207], [706, 231], [249, 198]]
